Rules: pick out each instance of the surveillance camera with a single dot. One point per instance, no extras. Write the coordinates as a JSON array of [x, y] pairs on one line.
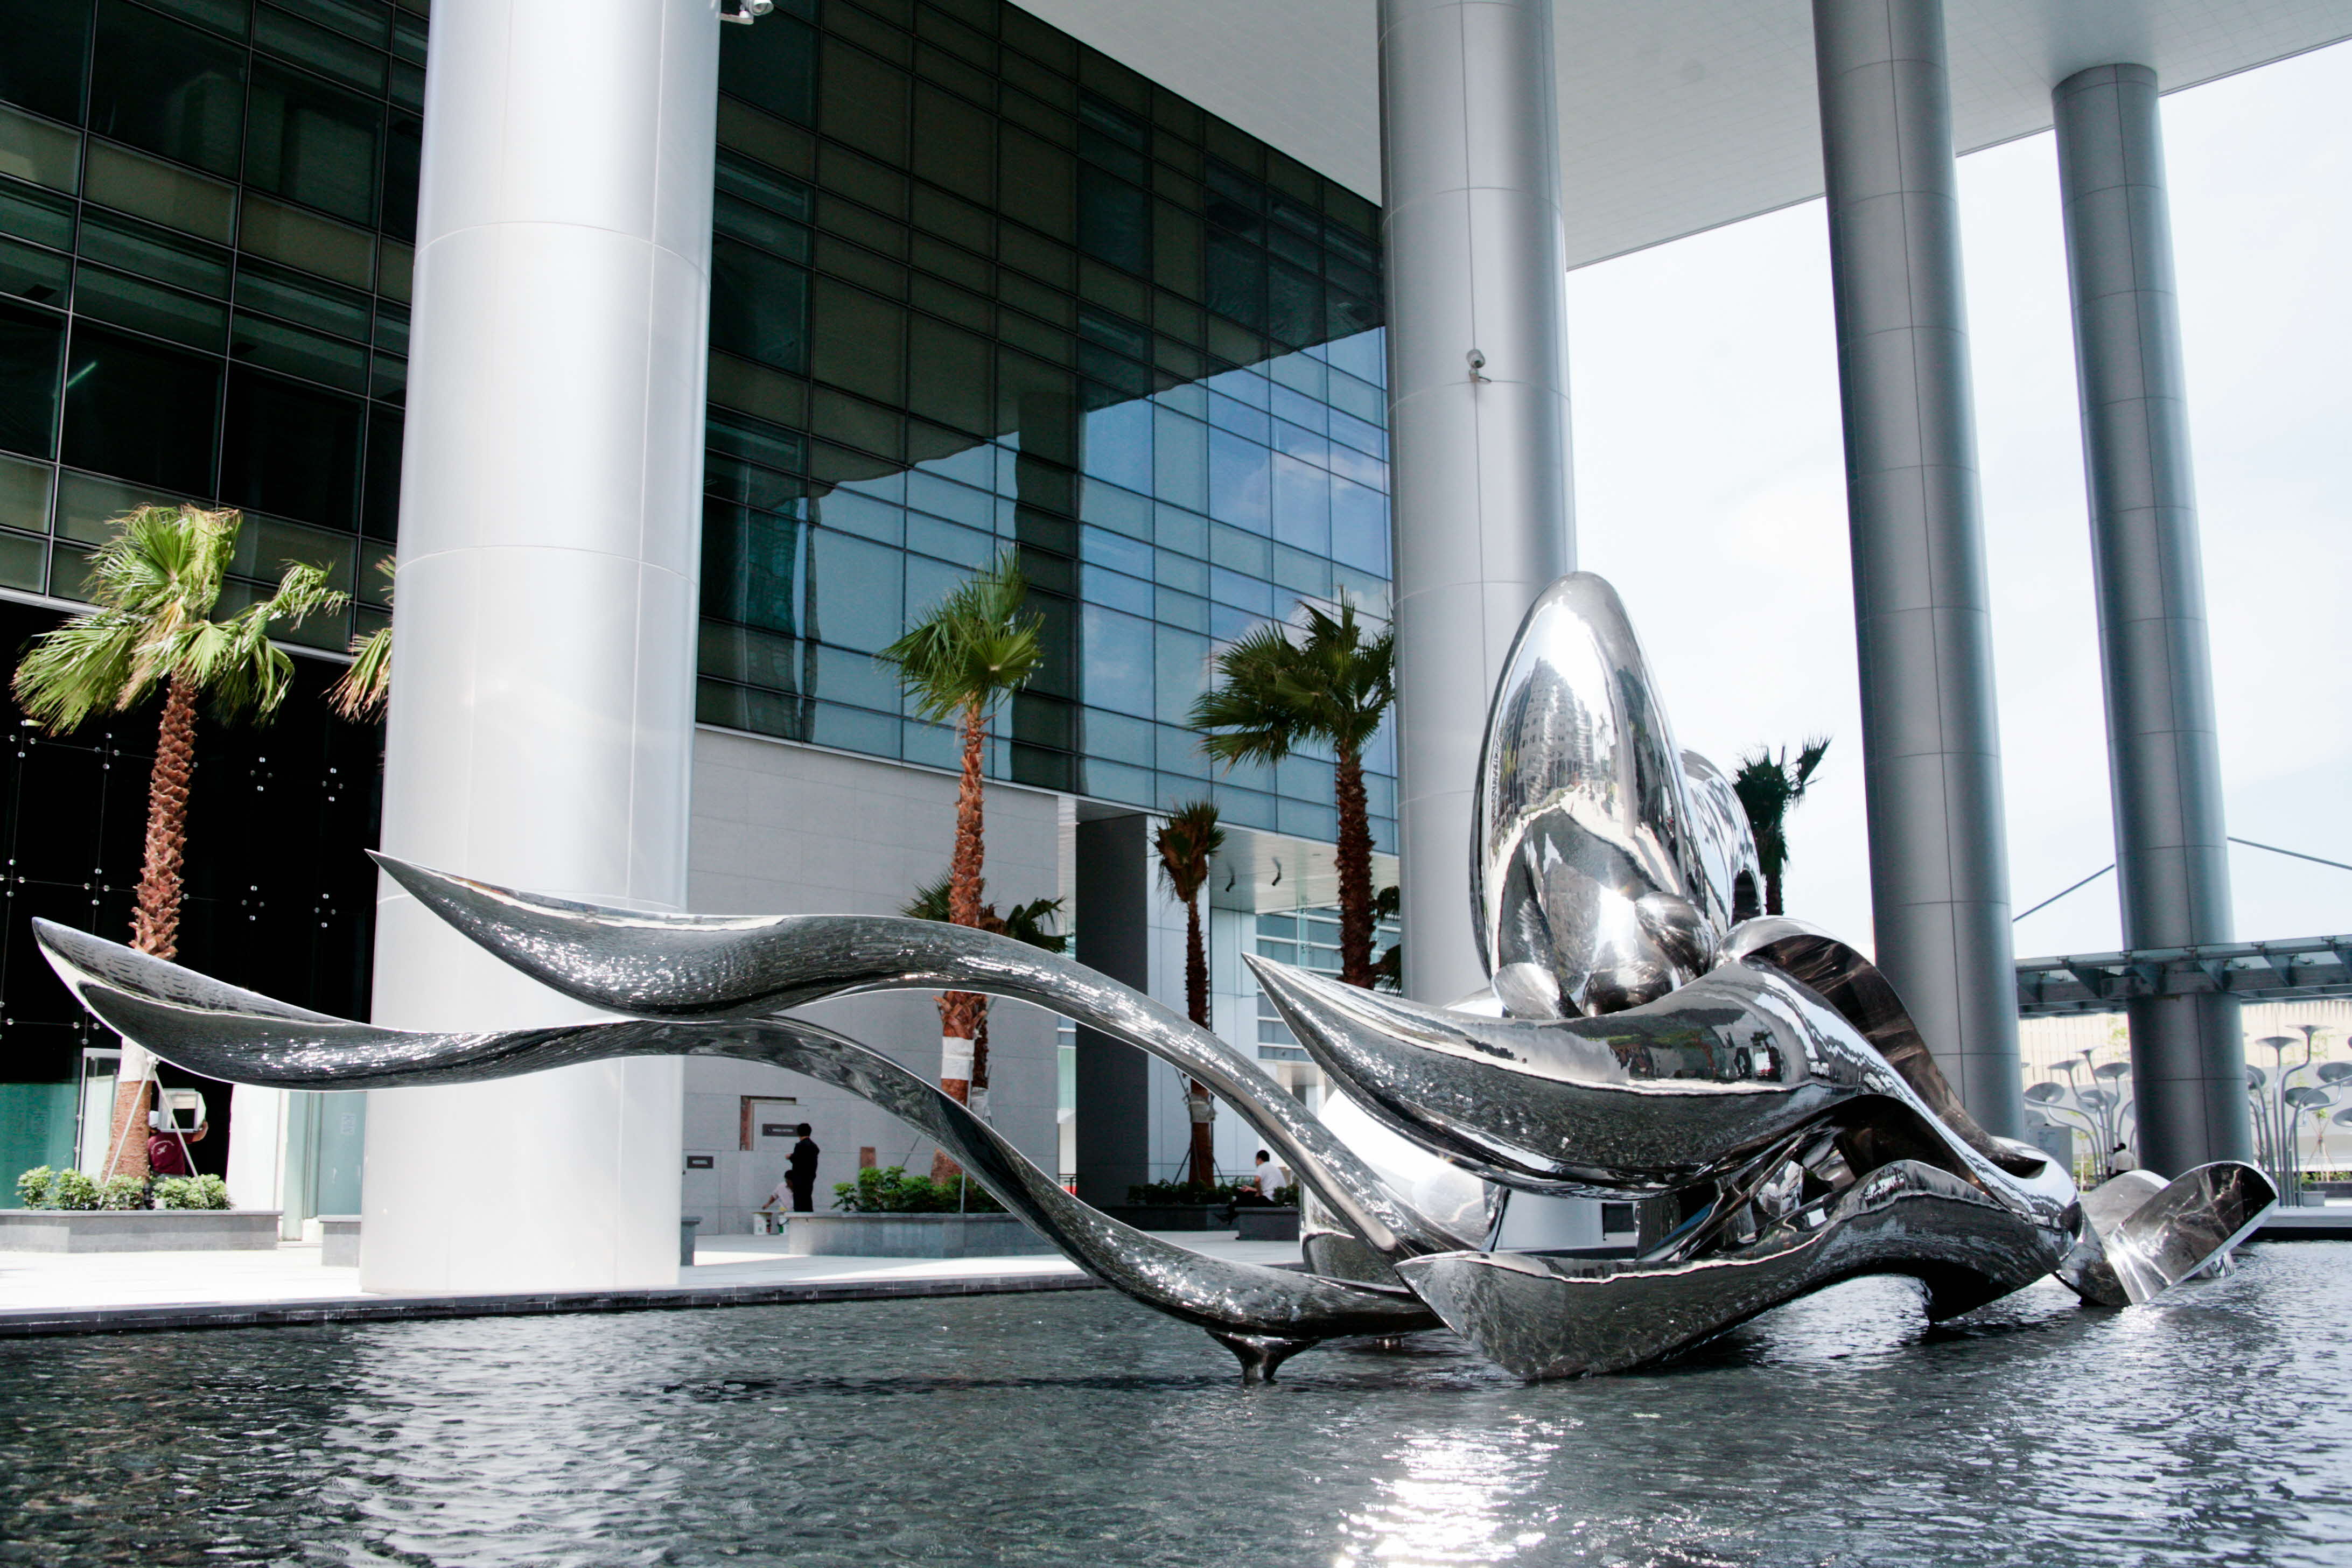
[[746, 11]]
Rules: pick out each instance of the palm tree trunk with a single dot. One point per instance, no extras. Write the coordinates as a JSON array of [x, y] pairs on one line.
[[155, 923], [1204, 1171], [1355, 857], [1772, 891], [962, 1013]]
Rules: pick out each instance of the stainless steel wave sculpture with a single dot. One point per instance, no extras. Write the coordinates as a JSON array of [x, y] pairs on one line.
[[1754, 1085]]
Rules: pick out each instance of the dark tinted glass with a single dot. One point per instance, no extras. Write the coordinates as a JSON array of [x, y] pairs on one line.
[[313, 143], [772, 65], [47, 44], [1114, 220], [380, 509], [291, 450], [167, 87], [28, 379], [759, 306], [139, 411], [403, 149]]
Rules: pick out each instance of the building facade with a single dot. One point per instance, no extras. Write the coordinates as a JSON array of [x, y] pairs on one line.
[[976, 289]]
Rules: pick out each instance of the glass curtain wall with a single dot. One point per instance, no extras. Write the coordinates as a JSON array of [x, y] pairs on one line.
[[980, 289], [205, 207]]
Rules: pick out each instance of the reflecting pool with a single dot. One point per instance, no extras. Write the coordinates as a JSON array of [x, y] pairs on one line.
[[2214, 1426]]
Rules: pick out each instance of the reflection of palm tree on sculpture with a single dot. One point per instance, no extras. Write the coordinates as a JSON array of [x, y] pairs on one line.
[[1188, 843], [155, 582], [1331, 685], [978, 647]]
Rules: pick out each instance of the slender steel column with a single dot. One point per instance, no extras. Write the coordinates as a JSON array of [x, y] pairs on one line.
[[543, 691], [1931, 747], [1478, 425], [2172, 856]]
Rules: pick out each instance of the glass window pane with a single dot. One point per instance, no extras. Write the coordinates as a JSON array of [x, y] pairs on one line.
[[380, 509], [280, 291], [257, 341], [37, 216], [1114, 220], [1239, 481], [1360, 527], [865, 102], [170, 89], [857, 588], [1302, 505], [42, 65], [404, 150], [1117, 445], [330, 53], [28, 379], [41, 276], [955, 145], [772, 65], [156, 253], [140, 411], [290, 449], [857, 340], [1117, 671], [750, 568], [149, 307], [759, 306], [313, 143]]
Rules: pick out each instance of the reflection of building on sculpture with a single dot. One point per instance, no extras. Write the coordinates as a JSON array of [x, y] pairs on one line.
[[1758, 1087]]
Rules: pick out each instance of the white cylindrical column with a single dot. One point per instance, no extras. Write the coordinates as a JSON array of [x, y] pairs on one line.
[[1478, 427], [543, 691]]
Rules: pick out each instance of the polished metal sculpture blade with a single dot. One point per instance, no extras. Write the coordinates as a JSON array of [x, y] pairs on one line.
[[2144, 1235], [1637, 1102], [1545, 1317], [1726, 844], [239, 1036], [685, 965], [1588, 881]]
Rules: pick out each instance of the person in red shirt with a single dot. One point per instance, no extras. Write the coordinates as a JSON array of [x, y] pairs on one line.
[[167, 1154]]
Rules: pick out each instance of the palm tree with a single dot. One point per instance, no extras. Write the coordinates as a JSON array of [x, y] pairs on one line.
[[1188, 843], [366, 686], [1329, 684], [1031, 922], [154, 583], [1769, 788], [976, 648]]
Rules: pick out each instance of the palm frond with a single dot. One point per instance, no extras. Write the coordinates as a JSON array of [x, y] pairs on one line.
[[366, 686], [68, 674], [929, 902], [1280, 688], [1188, 843], [1027, 922], [975, 647]]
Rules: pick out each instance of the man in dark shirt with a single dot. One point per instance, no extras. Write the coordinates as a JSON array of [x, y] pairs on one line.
[[801, 1174]]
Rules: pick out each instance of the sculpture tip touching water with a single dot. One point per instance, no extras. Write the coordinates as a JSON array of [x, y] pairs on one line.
[[1753, 1087]]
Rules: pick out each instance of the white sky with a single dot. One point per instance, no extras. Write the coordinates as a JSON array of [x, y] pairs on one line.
[[1710, 490]]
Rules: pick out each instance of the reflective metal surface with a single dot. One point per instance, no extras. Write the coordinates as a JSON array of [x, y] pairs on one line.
[[1759, 1090], [1727, 845], [222, 1032], [1587, 880]]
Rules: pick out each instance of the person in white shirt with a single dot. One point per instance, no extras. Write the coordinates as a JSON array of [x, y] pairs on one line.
[[1269, 1177]]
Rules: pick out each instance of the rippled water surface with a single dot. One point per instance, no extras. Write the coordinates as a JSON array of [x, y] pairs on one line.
[[2215, 1426]]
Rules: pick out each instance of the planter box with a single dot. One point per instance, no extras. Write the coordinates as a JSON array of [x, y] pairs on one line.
[[137, 1230], [1171, 1217], [1253, 1222], [910, 1235]]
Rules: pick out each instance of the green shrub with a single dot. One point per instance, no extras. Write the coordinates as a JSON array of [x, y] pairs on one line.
[[891, 1191], [33, 1187], [191, 1193], [122, 1193], [72, 1190]]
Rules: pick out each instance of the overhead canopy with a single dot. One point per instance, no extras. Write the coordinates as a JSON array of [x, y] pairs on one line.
[[1676, 115]]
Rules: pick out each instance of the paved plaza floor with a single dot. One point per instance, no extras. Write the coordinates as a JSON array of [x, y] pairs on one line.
[[49, 1292]]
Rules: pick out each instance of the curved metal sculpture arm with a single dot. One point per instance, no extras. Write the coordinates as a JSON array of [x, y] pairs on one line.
[[1856, 988], [1645, 1100], [674, 966], [222, 1032]]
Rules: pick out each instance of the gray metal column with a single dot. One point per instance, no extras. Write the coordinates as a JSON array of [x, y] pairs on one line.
[[1931, 749], [1476, 267], [2171, 852], [1113, 920]]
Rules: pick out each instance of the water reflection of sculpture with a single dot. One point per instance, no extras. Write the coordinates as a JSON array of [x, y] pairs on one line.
[[1758, 1085]]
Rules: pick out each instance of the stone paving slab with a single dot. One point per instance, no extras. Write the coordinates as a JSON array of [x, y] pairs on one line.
[[48, 1293]]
